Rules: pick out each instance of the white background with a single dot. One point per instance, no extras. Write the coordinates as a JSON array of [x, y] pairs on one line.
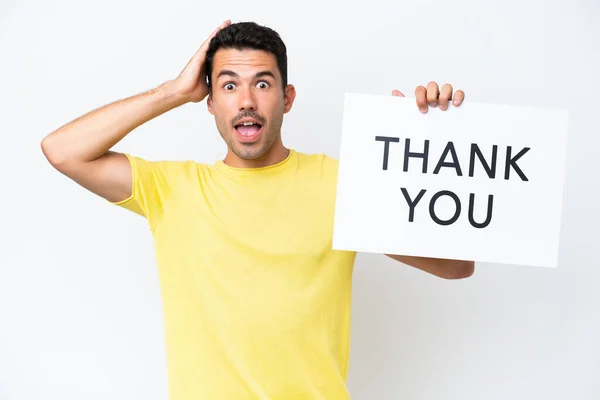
[[80, 312]]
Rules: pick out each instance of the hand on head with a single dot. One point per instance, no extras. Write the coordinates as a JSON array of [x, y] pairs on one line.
[[191, 83]]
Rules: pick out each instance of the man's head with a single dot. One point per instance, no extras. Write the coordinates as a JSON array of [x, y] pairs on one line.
[[246, 66]]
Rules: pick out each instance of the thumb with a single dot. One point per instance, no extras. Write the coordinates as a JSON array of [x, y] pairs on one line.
[[397, 93]]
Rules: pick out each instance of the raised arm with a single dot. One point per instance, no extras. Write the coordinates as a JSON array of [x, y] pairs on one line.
[[81, 149]]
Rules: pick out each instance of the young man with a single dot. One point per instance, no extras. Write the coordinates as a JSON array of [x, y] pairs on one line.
[[256, 302]]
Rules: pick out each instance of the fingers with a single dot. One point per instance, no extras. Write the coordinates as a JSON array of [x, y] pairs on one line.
[[421, 98], [433, 92], [201, 52], [225, 24], [214, 33], [459, 97], [445, 95], [433, 97]]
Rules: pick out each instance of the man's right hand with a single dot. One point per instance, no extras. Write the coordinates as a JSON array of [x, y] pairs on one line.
[[190, 83]]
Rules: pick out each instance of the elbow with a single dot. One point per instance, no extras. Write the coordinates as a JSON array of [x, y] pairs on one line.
[[460, 270], [46, 148], [50, 152]]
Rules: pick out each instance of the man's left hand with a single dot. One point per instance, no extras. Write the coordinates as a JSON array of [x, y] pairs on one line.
[[432, 96]]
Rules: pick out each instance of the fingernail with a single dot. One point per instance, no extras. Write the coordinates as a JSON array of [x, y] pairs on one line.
[[422, 110]]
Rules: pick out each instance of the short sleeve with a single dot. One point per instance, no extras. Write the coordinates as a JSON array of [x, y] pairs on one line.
[[152, 181]]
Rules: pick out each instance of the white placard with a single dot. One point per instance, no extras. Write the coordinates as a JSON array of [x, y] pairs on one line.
[[489, 189]]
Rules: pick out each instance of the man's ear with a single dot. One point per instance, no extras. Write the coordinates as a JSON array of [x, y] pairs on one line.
[[209, 104], [290, 96]]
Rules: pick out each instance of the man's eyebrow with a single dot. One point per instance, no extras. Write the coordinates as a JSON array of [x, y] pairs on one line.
[[264, 73], [226, 72], [232, 74]]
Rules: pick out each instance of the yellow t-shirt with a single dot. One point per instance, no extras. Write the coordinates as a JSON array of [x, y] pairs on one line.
[[256, 302]]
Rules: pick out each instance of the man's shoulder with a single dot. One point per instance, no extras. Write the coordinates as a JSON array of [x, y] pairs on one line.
[[177, 164], [318, 161], [165, 169]]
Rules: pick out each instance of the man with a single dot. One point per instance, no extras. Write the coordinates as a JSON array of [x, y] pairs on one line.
[[256, 302]]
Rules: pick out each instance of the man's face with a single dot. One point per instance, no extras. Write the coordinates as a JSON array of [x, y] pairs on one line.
[[248, 101]]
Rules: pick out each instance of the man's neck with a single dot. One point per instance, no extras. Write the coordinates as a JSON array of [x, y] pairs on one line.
[[275, 155]]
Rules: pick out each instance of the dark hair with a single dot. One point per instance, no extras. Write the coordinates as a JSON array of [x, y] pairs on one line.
[[248, 36]]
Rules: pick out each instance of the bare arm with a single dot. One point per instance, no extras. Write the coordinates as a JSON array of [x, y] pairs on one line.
[[447, 269], [81, 148]]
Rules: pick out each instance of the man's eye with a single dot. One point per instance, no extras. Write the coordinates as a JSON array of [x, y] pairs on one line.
[[229, 86], [263, 84]]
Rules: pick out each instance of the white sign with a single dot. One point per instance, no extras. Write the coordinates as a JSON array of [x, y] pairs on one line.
[[480, 182]]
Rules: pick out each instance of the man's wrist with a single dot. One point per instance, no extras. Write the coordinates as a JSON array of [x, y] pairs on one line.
[[171, 94]]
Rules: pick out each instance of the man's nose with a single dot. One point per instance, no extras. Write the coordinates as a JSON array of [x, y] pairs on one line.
[[246, 100]]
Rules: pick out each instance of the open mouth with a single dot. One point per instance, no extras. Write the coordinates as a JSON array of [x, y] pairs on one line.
[[248, 130]]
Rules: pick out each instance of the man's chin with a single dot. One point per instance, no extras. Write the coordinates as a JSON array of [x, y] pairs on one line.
[[249, 151]]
